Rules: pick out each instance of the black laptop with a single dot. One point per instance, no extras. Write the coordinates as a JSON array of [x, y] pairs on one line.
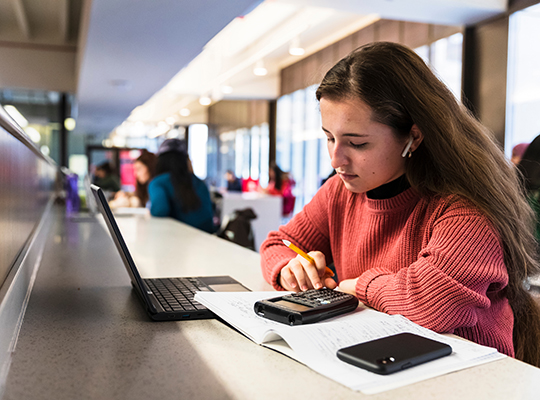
[[165, 299]]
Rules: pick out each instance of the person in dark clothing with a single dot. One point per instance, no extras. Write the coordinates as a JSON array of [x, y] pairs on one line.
[[105, 178], [176, 192], [234, 184]]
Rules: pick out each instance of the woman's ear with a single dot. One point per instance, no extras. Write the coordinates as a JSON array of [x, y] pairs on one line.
[[417, 136]]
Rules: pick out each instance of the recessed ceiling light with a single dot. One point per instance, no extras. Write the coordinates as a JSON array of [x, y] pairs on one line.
[[185, 112], [260, 69], [205, 101], [226, 89], [295, 49]]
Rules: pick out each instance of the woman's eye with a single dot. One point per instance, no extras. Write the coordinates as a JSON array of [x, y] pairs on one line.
[[357, 146], [330, 140]]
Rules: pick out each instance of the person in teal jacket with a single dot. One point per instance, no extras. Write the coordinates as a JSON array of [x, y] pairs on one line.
[[176, 192], [529, 166]]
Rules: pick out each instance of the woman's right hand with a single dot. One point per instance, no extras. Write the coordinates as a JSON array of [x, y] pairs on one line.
[[300, 275]]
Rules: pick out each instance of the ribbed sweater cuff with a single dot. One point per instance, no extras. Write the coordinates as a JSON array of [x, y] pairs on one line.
[[366, 286], [274, 275]]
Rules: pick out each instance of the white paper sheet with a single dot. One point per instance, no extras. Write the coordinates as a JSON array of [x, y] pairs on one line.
[[315, 345]]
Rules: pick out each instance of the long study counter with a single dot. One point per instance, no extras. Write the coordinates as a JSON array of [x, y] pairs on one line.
[[86, 336]]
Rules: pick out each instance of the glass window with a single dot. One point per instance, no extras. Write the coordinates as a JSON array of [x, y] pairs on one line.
[[284, 132], [198, 137], [523, 87], [255, 152], [265, 154], [445, 58]]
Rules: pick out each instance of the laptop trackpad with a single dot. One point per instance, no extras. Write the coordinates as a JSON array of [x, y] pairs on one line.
[[228, 287]]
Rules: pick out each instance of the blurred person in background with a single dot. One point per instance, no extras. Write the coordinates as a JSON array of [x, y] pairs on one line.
[[106, 179], [281, 184], [518, 151], [144, 169], [529, 166], [234, 184], [176, 192]]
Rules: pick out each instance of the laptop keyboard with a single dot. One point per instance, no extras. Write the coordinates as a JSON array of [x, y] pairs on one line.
[[176, 294]]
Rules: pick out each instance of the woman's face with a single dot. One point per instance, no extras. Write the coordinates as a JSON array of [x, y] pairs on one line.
[[141, 172], [365, 154]]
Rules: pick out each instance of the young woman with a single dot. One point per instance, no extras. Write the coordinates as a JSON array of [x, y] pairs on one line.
[[176, 192], [425, 217], [280, 184], [144, 169]]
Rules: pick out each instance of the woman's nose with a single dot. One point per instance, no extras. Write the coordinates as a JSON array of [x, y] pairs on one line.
[[338, 156]]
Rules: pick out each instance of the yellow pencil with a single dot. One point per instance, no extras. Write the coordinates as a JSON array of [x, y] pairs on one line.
[[291, 246]]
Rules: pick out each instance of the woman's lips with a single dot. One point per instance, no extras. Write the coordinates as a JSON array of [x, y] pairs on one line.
[[347, 177]]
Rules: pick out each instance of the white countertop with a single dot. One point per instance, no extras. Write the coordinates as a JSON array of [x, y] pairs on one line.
[[86, 335]]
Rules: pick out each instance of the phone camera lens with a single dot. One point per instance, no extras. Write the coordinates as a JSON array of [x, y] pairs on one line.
[[386, 360]]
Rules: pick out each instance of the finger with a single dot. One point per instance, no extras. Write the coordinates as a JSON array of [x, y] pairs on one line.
[[317, 275], [314, 280], [288, 280], [320, 262], [330, 283], [299, 271], [348, 286]]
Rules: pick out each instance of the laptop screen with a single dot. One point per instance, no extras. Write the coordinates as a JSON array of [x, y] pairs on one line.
[[120, 244]]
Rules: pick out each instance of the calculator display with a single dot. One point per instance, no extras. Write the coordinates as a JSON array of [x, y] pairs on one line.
[[292, 306]]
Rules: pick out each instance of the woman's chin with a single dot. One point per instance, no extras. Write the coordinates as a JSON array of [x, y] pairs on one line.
[[352, 188]]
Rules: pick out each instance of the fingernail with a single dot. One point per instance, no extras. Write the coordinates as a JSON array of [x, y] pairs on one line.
[[293, 284], [318, 286]]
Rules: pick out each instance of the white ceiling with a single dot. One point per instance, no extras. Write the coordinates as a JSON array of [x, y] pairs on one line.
[[131, 48], [162, 55]]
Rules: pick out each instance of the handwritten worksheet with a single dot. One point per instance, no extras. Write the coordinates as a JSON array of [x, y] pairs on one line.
[[315, 345]]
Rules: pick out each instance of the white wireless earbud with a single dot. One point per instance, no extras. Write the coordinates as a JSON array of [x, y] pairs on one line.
[[404, 154]]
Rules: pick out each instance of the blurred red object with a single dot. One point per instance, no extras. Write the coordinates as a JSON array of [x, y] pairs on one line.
[[250, 185]]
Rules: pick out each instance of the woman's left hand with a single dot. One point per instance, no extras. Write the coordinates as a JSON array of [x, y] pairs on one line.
[[348, 286]]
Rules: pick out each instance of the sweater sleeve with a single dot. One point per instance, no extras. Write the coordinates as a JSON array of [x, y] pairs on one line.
[[309, 230], [159, 202], [461, 263]]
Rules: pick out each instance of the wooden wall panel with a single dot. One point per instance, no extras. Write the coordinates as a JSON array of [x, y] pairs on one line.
[[389, 31], [235, 114], [364, 36], [491, 56], [344, 47], [311, 70], [441, 31], [415, 34]]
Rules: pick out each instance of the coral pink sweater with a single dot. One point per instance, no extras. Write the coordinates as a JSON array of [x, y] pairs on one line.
[[438, 262]]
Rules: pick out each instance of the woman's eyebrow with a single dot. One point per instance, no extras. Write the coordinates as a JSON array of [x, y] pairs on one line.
[[360, 135]]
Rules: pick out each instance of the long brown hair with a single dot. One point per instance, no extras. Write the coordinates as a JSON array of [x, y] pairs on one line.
[[457, 156], [141, 189], [177, 164]]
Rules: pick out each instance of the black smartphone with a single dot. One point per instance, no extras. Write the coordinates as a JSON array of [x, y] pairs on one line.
[[306, 307], [393, 353]]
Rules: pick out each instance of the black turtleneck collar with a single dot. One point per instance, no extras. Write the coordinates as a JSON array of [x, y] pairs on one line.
[[389, 189]]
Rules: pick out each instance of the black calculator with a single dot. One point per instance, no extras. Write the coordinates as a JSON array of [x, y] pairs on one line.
[[306, 307]]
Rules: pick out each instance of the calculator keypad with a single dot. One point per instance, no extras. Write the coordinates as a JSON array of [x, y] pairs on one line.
[[315, 298]]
